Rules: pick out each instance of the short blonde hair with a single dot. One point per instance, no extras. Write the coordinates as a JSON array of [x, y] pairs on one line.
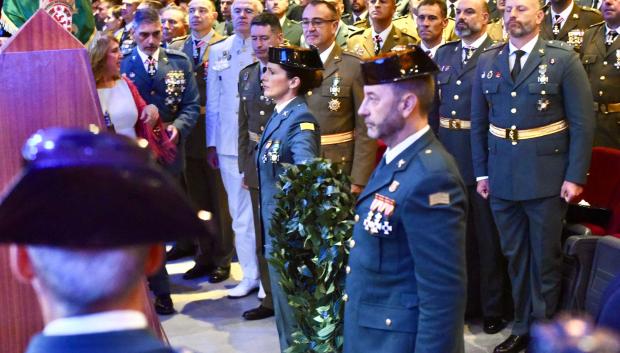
[[98, 52]]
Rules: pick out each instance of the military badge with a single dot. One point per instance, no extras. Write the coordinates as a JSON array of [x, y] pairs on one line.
[[395, 184], [272, 152], [61, 11], [489, 75], [334, 89], [334, 105], [401, 163], [552, 61], [543, 104], [617, 64], [132, 75], [175, 86], [575, 38], [359, 50], [543, 79], [439, 198], [381, 209]]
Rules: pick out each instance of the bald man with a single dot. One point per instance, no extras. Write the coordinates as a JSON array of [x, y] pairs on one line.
[[531, 136]]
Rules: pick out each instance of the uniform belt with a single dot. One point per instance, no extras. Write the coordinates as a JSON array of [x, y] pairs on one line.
[[254, 136], [337, 138], [454, 124], [606, 108], [515, 135]]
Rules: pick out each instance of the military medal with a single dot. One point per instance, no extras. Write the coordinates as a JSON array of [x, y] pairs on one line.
[[359, 50], [132, 75], [617, 64], [542, 74], [543, 104], [175, 86], [334, 89], [489, 75], [552, 61], [575, 38], [381, 209], [401, 163]]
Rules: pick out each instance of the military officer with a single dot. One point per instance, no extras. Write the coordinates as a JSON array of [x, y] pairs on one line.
[[531, 138], [457, 63], [382, 35], [335, 103], [408, 24], [226, 59], [406, 282], [291, 136], [291, 29], [343, 31], [496, 29], [359, 12], [204, 184], [174, 24], [600, 56], [567, 21], [164, 78], [225, 27], [125, 34], [254, 111], [431, 21]]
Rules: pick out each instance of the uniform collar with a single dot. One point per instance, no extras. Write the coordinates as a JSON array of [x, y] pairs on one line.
[[206, 38], [607, 29], [144, 57], [564, 14], [392, 152], [117, 320], [279, 107], [384, 34], [325, 54], [477, 43], [527, 48]]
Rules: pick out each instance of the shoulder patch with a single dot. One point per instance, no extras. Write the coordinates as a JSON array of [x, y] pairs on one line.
[[306, 126]]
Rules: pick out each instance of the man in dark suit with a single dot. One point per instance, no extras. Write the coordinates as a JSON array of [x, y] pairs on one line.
[[88, 269], [406, 282], [567, 21], [204, 185], [382, 35], [334, 104], [600, 55], [164, 78], [457, 62], [291, 29], [254, 112], [532, 127]]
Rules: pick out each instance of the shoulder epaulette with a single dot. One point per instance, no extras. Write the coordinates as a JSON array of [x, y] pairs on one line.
[[497, 45], [348, 52], [590, 9], [559, 44], [219, 41], [179, 39], [250, 66], [403, 17], [175, 52], [450, 43], [358, 31], [597, 24]]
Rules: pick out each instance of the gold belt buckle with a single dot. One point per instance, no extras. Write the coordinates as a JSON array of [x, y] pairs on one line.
[[512, 134], [454, 124]]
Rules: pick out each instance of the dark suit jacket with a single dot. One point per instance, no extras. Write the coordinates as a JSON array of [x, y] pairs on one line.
[[291, 137], [406, 288], [183, 110], [292, 32], [196, 143], [359, 155], [580, 19], [453, 93], [254, 112], [132, 341], [600, 64], [533, 168]]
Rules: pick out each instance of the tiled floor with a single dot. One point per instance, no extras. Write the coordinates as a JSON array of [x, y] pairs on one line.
[[208, 322]]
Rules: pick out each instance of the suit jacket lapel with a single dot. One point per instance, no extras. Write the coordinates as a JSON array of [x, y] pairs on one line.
[[162, 63], [369, 43], [548, 24], [599, 41], [382, 177], [570, 23], [216, 37], [613, 47], [471, 63], [273, 125], [532, 62], [391, 40], [502, 64], [331, 63]]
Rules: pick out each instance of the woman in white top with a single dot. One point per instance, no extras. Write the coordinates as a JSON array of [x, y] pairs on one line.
[[124, 110]]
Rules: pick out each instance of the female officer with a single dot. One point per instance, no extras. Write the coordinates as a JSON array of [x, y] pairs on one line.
[[291, 136]]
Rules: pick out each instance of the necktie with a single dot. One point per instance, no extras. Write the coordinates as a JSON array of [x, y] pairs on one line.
[[197, 51], [467, 54], [151, 69], [378, 41], [516, 69], [610, 38], [557, 24], [452, 13]]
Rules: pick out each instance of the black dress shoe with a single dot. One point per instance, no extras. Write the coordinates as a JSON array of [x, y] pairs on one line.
[[513, 344], [219, 274], [163, 305], [177, 253], [258, 313], [493, 325], [198, 271]]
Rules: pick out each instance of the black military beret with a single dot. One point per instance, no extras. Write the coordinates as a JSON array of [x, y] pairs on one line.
[[296, 57], [397, 66], [83, 189]]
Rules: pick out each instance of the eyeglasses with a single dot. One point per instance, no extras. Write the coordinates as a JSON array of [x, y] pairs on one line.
[[315, 22]]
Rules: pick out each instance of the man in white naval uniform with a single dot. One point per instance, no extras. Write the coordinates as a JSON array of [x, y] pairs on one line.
[[226, 60]]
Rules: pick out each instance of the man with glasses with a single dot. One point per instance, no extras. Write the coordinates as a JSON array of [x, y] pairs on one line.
[[335, 102], [156, 72], [382, 35], [226, 60]]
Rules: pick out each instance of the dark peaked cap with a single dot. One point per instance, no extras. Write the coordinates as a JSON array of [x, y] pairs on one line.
[[397, 65], [81, 189]]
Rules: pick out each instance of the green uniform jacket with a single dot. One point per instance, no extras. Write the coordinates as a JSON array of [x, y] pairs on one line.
[[580, 19], [603, 67], [363, 45], [16, 12], [336, 113]]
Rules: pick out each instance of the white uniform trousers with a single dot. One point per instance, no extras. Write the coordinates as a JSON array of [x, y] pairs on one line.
[[240, 206]]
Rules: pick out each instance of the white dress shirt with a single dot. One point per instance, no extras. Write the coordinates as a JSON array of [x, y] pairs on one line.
[[325, 54], [383, 35], [431, 51], [117, 320], [278, 108], [564, 14], [527, 48], [145, 57], [205, 39], [476, 44], [392, 152]]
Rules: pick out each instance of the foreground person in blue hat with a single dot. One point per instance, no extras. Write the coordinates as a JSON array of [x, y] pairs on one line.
[[86, 220], [406, 285], [291, 136]]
